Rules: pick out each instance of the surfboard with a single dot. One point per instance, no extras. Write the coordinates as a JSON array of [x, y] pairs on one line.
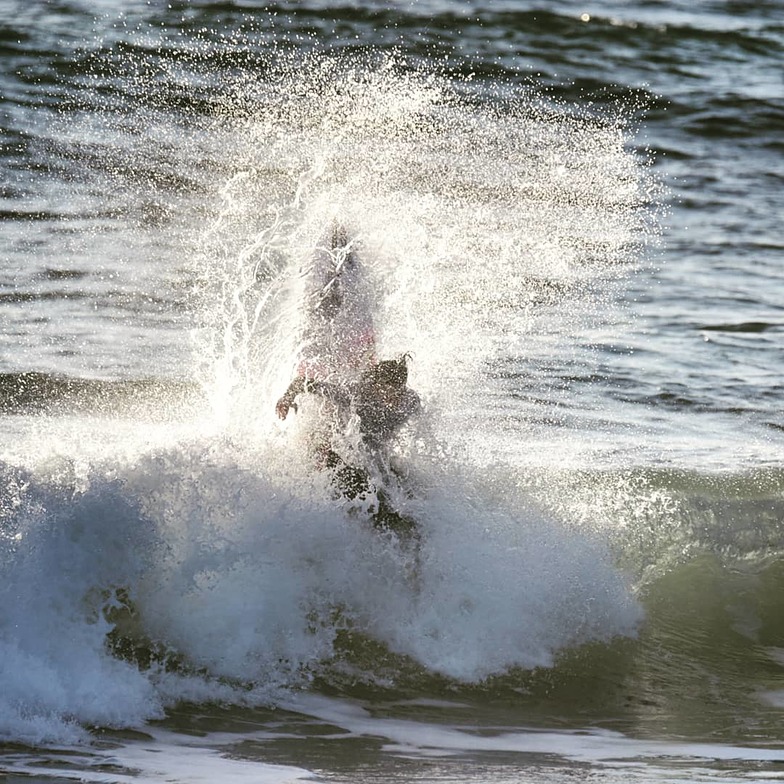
[[339, 339]]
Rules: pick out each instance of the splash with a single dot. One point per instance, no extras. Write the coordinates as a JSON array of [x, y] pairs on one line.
[[494, 226], [491, 226]]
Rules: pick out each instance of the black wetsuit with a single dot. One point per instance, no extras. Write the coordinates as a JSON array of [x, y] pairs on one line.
[[379, 422]]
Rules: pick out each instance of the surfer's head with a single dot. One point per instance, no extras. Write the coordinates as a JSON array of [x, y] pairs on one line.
[[391, 372], [385, 382]]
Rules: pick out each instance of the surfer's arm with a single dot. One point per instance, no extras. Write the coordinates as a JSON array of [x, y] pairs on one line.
[[302, 384]]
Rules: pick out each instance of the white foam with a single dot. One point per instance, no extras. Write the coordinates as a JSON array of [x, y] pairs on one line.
[[588, 745], [163, 757], [248, 574]]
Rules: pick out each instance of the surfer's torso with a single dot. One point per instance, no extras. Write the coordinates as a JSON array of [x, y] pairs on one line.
[[380, 417]]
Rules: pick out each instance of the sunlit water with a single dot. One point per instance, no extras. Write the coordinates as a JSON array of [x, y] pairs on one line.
[[568, 220]]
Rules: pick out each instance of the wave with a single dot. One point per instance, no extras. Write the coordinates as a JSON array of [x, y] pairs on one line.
[[217, 567], [226, 568], [600, 47], [753, 327], [213, 571]]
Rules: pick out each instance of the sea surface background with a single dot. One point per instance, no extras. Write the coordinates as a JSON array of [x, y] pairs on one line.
[[571, 215]]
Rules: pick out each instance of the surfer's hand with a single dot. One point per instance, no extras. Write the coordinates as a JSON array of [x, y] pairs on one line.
[[287, 401], [282, 406]]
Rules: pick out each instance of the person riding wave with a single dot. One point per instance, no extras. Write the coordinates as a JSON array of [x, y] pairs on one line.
[[383, 403], [365, 402]]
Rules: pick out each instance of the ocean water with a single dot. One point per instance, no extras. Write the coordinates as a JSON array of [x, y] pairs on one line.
[[570, 216]]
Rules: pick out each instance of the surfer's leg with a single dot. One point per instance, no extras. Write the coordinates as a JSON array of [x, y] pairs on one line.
[[390, 519], [354, 482], [406, 532], [351, 481]]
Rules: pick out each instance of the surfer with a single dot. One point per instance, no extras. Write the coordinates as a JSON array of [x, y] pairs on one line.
[[337, 364], [383, 402]]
